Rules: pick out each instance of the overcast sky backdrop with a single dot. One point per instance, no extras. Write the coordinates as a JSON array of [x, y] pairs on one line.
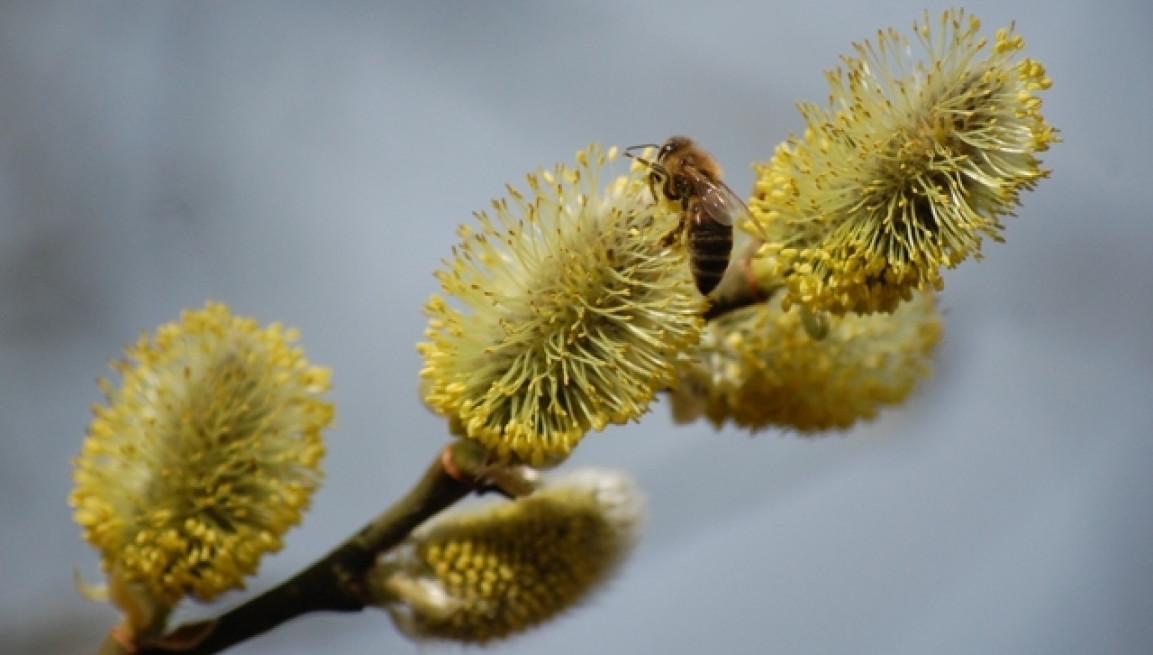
[[309, 163]]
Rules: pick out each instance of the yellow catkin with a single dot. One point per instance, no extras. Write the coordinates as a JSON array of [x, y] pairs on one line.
[[761, 367], [203, 456], [479, 575], [910, 166], [565, 313]]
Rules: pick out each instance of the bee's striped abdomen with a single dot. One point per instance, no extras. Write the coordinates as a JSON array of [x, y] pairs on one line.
[[710, 244]]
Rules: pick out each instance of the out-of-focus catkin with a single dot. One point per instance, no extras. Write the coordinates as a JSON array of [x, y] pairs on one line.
[[482, 574]]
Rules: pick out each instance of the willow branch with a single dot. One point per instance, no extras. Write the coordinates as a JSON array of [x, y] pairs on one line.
[[330, 583]]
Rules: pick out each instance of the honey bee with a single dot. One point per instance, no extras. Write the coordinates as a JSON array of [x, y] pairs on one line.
[[685, 173]]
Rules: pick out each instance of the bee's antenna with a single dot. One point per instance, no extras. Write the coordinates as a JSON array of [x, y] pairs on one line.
[[651, 164], [629, 150]]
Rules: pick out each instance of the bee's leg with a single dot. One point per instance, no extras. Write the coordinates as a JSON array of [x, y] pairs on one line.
[[656, 179], [653, 187]]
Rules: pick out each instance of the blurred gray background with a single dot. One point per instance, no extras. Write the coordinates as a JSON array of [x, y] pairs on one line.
[[309, 162]]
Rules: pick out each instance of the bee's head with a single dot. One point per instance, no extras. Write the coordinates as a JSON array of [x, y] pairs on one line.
[[674, 146]]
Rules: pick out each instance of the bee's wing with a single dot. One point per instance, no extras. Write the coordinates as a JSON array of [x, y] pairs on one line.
[[720, 202], [717, 199]]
